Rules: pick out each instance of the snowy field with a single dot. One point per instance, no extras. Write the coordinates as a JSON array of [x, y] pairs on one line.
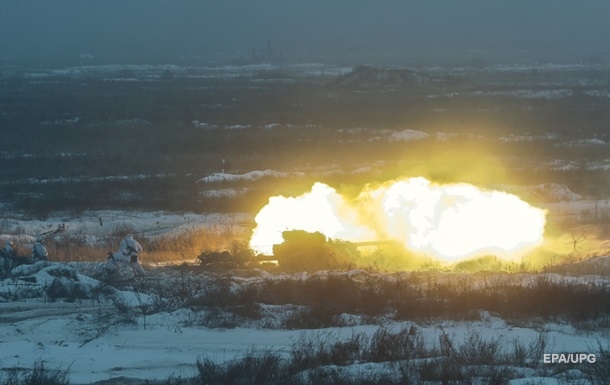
[[63, 335], [70, 316], [102, 223], [207, 130]]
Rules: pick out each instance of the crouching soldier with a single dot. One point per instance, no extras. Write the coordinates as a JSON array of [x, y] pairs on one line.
[[130, 248], [115, 261], [8, 259], [39, 252]]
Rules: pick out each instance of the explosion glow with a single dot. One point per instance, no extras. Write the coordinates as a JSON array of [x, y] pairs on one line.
[[450, 222]]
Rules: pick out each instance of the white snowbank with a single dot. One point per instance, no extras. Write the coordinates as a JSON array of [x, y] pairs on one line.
[[248, 176], [553, 192], [408, 135], [95, 227], [583, 143]]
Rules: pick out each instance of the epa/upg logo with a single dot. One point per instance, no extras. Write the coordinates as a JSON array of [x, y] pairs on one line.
[[569, 358]]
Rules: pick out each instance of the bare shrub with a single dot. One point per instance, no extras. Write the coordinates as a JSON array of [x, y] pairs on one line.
[[498, 376], [67, 247], [323, 349], [529, 355], [38, 375], [476, 350], [218, 318], [334, 376], [254, 368], [182, 292], [405, 344], [600, 370], [124, 312], [121, 230], [229, 317], [316, 316], [74, 246], [190, 244], [42, 375], [444, 370], [324, 300]]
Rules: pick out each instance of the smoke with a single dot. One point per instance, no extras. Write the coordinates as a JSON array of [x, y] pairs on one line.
[[449, 222]]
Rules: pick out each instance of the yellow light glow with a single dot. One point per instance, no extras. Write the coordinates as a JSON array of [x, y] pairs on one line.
[[450, 222]]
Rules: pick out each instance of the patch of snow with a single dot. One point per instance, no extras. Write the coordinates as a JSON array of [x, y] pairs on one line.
[[364, 170], [353, 130], [605, 165], [562, 165], [204, 125], [249, 176], [246, 67], [224, 193], [553, 192], [94, 227], [84, 179], [237, 127], [126, 122], [598, 93], [272, 126], [87, 337], [319, 70], [537, 381], [583, 143], [598, 266], [62, 121], [523, 94], [126, 80], [527, 138], [408, 135], [539, 66]]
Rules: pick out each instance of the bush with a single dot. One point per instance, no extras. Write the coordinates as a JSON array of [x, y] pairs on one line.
[[530, 355], [313, 317], [405, 344], [39, 375], [476, 350], [255, 368], [600, 371]]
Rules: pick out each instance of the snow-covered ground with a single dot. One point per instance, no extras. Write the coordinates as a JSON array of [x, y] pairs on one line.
[[111, 332], [101, 223], [62, 335], [164, 347], [110, 335]]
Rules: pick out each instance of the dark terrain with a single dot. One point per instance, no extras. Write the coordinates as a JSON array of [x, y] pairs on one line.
[[142, 136]]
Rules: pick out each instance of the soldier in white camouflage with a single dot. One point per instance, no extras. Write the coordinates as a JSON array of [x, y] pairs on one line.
[[8, 259], [131, 248], [39, 252]]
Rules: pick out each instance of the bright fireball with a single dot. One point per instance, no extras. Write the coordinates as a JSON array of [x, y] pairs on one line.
[[450, 222]]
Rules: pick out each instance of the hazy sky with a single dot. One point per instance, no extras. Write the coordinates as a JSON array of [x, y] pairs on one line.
[[341, 30]]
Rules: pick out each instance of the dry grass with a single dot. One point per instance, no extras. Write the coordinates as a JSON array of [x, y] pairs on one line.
[[188, 245], [184, 246]]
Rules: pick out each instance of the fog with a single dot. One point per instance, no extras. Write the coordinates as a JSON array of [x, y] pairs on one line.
[[349, 31]]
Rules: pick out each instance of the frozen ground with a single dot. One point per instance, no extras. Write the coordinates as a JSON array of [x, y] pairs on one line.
[[95, 228], [112, 334], [105, 222], [99, 339]]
